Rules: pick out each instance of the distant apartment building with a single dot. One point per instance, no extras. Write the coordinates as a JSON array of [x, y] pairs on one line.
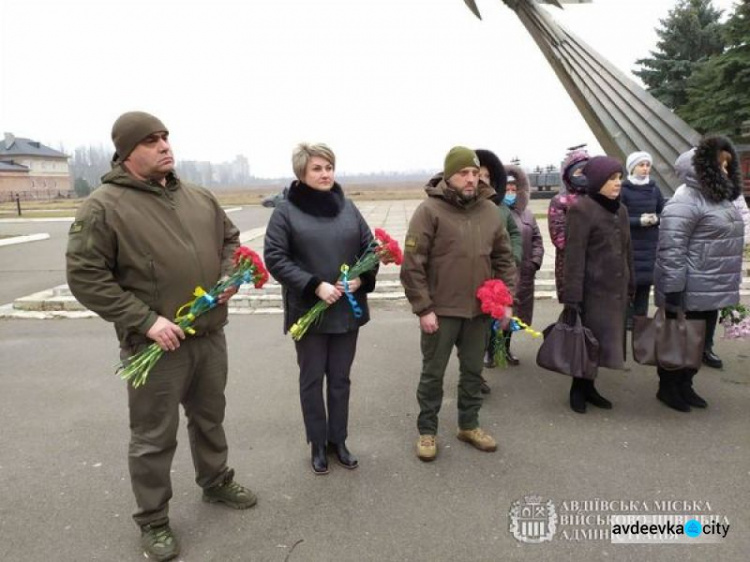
[[32, 170]]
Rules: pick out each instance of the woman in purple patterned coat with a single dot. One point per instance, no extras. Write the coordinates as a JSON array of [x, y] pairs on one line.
[[575, 187]]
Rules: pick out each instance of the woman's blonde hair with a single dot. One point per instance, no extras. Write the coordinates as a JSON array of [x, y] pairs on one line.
[[304, 151]]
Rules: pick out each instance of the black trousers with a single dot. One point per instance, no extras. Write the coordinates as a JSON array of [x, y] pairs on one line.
[[330, 357], [709, 317], [640, 300], [711, 323]]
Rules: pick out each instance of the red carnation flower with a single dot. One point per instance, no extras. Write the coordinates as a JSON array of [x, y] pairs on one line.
[[494, 297]]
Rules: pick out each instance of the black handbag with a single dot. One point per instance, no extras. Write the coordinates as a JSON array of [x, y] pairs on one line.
[[569, 349]]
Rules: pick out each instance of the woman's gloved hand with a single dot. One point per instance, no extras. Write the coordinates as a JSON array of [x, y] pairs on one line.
[[673, 301], [571, 312]]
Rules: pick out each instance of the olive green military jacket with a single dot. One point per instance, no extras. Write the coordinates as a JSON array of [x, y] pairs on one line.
[[451, 248], [138, 250]]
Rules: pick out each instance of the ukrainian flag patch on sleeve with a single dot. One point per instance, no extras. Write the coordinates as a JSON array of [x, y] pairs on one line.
[[410, 244]]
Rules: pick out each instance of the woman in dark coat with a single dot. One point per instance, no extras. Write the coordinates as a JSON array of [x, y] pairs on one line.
[[517, 199], [309, 236], [699, 260], [575, 186], [599, 278], [644, 202], [492, 172]]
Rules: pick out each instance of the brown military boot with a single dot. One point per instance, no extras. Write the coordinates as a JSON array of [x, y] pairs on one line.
[[478, 438], [427, 448]]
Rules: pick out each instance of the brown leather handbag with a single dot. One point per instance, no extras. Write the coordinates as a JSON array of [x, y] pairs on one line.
[[669, 343], [570, 350]]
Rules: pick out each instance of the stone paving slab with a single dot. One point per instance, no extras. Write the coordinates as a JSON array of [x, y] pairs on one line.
[[392, 216]]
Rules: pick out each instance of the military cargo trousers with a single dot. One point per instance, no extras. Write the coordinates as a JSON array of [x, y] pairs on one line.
[[194, 375], [469, 337]]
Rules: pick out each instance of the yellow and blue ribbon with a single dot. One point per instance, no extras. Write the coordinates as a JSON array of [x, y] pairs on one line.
[[189, 311], [356, 310]]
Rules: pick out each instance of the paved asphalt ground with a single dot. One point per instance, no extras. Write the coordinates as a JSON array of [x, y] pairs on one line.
[[66, 494], [36, 266], [63, 444]]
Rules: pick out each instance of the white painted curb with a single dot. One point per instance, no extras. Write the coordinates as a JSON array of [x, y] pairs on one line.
[[51, 219], [22, 239]]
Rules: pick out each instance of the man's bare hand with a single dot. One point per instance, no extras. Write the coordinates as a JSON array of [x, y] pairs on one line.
[[328, 293], [166, 334], [504, 323], [227, 294], [429, 323]]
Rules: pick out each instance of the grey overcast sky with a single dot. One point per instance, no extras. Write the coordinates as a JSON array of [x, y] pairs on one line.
[[388, 84]]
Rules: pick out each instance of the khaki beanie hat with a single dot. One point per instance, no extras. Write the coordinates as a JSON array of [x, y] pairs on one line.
[[458, 158], [130, 129]]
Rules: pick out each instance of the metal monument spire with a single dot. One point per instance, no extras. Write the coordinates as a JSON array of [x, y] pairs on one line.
[[623, 116]]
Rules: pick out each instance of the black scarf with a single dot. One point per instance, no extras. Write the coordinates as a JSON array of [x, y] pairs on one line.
[[315, 202], [611, 205]]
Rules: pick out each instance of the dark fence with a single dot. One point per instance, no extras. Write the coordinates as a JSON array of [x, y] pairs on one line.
[[544, 181], [37, 195]]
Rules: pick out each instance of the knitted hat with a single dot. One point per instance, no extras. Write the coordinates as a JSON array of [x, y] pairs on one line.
[[598, 170], [574, 159], [130, 129], [635, 159], [458, 158], [512, 179]]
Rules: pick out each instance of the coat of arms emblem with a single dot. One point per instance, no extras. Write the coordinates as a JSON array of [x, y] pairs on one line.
[[533, 519]]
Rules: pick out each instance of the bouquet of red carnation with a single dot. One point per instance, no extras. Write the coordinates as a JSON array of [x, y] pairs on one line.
[[383, 249], [495, 299], [248, 268], [387, 248]]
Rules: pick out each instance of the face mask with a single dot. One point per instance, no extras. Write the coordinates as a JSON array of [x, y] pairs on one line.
[[509, 199], [578, 182]]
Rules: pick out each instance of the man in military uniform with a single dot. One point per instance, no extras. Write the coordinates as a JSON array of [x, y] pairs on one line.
[[456, 241], [139, 246]]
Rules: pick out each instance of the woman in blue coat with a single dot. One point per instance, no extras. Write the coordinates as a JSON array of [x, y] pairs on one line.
[[644, 202]]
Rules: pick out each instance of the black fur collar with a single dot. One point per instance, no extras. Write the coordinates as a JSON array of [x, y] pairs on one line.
[[714, 184], [611, 205], [314, 202]]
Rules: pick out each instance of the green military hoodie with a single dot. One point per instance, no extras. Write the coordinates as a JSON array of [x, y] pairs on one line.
[[138, 250], [451, 248]]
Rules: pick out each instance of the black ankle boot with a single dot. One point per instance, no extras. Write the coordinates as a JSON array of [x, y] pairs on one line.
[[484, 387], [578, 396], [319, 459], [512, 359], [688, 394], [593, 396], [712, 360], [489, 359], [345, 458], [669, 392]]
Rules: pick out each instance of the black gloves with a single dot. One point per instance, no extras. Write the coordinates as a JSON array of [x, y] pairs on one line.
[[571, 312], [673, 301]]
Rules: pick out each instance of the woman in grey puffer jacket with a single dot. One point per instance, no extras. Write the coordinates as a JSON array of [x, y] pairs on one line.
[[699, 259]]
